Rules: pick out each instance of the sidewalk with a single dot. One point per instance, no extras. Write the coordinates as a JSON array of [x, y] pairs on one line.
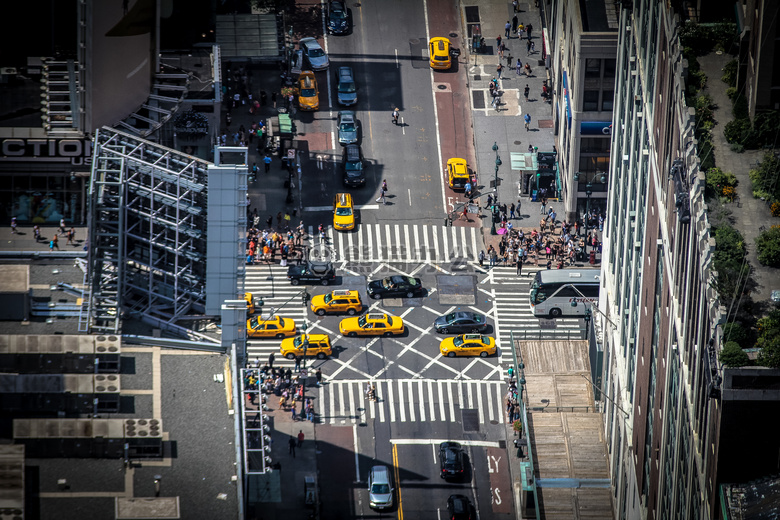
[[23, 241]]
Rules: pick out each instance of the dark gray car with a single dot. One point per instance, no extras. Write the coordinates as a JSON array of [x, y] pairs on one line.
[[346, 89], [348, 127], [457, 322]]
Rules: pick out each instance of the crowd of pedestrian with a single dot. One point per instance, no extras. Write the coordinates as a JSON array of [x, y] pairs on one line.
[[263, 245]]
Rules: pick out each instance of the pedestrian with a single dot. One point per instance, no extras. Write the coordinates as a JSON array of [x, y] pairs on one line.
[[56, 240], [519, 66], [396, 114], [381, 197], [271, 358], [493, 257], [300, 438], [62, 227], [528, 30], [533, 47], [465, 213], [527, 119], [481, 258], [542, 208], [514, 24], [494, 101], [267, 162], [297, 363], [501, 49], [498, 42], [507, 28], [512, 211], [291, 443], [528, 46], [273, 98], [384, 184], [499, 69], [37, 232], [51, 245], [318, 375], [526, 91], [527, 69], [520, 31], [293, 415], [514, 6], [71, 236]]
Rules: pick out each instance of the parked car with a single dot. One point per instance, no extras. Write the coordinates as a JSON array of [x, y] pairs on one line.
[[308, 93], [380, 488], [402, 286], [451, 460], [348, 127], [314, 53], [468, 345], [336, 301], [372, 325], [459, 508], [270, 327], [312, 272], [439, 53], [306, 344], [352, 164], [460, 322], [457, 173], [345, 86], [338, 18]]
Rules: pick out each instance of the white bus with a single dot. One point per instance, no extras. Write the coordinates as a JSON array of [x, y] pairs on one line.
[[564, 292]]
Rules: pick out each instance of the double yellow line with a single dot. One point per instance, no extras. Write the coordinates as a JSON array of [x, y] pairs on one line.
[[397, 481]]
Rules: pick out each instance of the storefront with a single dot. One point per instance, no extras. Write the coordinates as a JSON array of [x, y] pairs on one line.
[[44, 180]]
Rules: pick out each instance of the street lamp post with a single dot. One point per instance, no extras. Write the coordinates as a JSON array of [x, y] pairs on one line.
[[494, 209]]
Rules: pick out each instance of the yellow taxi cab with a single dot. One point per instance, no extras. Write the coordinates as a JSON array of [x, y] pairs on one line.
[[372, 325], [252, 303], [308, 344], [308, 94], [468, 345], [439, 53], [270, 327], [457, 173], [336, 301], [343, 212]]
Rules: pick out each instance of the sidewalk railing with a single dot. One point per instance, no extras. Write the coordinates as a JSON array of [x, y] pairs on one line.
[[541, 334]]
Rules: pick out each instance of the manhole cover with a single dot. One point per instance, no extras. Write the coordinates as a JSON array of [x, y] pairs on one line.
[[453, 35], [470, 420], [478, 99], [441, 87], [518, 143]]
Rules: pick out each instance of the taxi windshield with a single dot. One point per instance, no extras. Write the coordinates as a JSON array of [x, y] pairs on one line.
[[328, 297], [299, 341], [458, 341], [308, 92], [343, 212], [362, 321]]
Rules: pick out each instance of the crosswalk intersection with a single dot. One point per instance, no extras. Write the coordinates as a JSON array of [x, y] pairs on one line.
[[404, 243], [411, 400]]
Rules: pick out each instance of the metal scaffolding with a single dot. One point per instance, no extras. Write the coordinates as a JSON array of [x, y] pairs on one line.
[[147, 228]]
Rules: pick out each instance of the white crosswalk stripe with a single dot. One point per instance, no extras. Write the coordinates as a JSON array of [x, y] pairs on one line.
[[412, 400], [405, 242], [270, 284], [513, 312]]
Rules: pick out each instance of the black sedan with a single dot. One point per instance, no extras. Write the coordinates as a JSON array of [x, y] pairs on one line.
[[459, 507], [451, 460], [312, 272], [402, 286], [460, 322], [338, 18]]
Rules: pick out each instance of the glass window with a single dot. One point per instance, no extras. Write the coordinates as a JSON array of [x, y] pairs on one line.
[[607, 98], [609, 68], [590, 101], [593, 68], [594, 144]]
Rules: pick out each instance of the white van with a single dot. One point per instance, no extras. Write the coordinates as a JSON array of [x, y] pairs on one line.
[[380, 489]]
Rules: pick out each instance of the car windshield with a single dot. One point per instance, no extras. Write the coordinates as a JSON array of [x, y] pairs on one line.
[[328, 297], [281, 322], [308, 92], [362, 321], [316, 52], [298, 341], [346, 87], [438, 57], [380, 489], [343, 212], [347, 127], [458, 341], [353, 166], [450, 317]]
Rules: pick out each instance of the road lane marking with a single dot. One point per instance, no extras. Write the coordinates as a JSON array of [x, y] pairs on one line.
[[422, 401], [356, 449], [417, 244], [406, 240], [422, 442], [398, 483], [342, 410], [452, 401], [352, 407], [441, 399], [410, 394], [330, 208], [401, 408], [481, 408], [391, 402]]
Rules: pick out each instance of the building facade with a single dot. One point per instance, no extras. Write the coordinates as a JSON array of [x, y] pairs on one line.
[[659, 315], [583, 40]]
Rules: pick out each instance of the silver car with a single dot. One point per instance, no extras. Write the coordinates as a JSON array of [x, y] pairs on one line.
[[380, 489], [347, 92], [348, 127], [314, 53]]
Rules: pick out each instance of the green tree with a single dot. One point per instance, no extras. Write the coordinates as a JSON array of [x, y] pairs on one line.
[[769, 339], [735, 333], [733, 356], [768, 247], [728, 261]]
